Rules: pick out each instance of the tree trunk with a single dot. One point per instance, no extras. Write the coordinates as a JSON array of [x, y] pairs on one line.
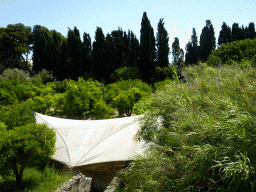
[[18, 174]]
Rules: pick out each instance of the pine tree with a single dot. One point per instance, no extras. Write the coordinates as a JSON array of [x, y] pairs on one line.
[[14, 42], [225, 34], [145, 48], [207, 41]]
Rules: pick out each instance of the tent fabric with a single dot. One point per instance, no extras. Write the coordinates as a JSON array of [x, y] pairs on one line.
[[85, 142]]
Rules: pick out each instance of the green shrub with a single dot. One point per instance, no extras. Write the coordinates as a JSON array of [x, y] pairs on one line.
[[14, 74], [102, 110]]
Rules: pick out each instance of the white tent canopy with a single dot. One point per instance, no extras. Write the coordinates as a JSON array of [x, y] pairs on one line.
[[85, 142]]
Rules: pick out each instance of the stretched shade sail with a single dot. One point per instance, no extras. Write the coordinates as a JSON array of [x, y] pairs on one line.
[[85, 142]]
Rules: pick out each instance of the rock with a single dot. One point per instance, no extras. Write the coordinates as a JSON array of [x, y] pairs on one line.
[[79, 183], [113, 185]]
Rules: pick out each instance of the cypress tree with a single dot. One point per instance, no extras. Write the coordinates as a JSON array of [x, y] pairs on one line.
[[126, 49], [87, 53], [153, 53], [195, 51], [98, 56], [63, 71], [246, 33], [189, 54], [251, 30], [225, 34], [207, 41], [235, 32], [39, 57], [145, 48], [78, 55], [74, 51], [162, 45], [134, 51]]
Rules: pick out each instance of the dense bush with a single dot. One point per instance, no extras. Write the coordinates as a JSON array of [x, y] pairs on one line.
[[102, 110], [236, 51], [81, 96], [47, 76], [11, 90], [14, 74], [113, 90]]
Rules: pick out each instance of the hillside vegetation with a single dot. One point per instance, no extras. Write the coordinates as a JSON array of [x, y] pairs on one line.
[[207, 138], [205, 141]]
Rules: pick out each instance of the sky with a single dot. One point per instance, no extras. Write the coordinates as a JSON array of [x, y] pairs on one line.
[[180, 16]]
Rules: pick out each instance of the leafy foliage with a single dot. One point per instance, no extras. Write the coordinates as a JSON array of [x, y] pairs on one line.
[[236, 51], [25, 146], [102, 110], [82, 96], [14, 74], [14, 41], [47, 76]]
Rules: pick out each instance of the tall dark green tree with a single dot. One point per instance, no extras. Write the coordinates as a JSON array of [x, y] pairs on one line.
[[87, 53], [195, 51], [53, 52], [246, 33], [145, 49], [126, 49], [242, 33], [39, 57], [162, 45], [108, 55], [98, 53], [189, 54], [235, 32], [225, 34], [251, 29], [71, 43], [133, 53], [119, 50], [207, 41], [153, 53], [63, 71]]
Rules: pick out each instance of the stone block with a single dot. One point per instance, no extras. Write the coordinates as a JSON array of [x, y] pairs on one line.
[[79, 183]]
